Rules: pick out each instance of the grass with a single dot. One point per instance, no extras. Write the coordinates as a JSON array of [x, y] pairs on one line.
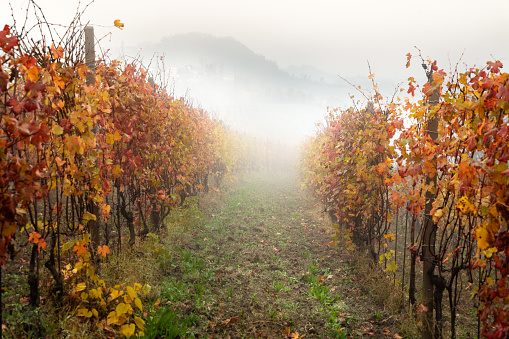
[[251, 262]]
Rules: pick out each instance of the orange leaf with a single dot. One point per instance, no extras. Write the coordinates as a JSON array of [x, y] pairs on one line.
[[103, 250], [57, 52], [118, 24], [34, 237], [80, 248]]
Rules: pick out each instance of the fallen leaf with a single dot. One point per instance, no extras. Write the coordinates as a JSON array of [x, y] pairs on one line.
[[231, 320], [286, 332]]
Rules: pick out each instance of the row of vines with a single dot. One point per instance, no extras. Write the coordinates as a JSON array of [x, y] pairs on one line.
[[86, 166], [377, 168]]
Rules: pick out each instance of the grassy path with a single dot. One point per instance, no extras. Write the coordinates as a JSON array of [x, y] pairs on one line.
[[262, 267]]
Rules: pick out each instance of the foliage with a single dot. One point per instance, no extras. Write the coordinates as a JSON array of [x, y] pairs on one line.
[[76, 154], [361, 161]]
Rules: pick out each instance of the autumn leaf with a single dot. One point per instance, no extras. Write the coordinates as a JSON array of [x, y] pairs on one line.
[[494, 66], [118, 24], [80, 248], [83, 312], [138, 303], [146, 289], [391, 266], [140, 322], [408, 57], [87, 216], [34, 237], [80, 287], [231, 320], [484, 238], [131, 292], [57, 52], [390, 236], [103, 250], [33, 73], [122, 308], [127, 330]]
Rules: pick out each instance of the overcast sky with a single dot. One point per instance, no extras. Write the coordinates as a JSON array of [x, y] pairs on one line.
[[333, 35]]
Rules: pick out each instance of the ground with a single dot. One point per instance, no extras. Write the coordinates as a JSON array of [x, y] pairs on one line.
[[262, 266]]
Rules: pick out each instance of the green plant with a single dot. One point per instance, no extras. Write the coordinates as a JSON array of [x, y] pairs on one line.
[[175, 291], [278, 286], [165, 323], [378, 315]]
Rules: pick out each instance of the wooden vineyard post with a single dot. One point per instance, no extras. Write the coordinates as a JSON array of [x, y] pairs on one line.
[[430, 231], [90, 54], [93, 225]]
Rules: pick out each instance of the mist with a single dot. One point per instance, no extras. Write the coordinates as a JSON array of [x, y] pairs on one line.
[[241, 88], [270, 69]]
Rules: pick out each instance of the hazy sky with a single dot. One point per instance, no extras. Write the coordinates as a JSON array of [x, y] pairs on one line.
[[333, 35]]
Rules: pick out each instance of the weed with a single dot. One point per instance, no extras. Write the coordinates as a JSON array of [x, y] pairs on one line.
[[165, 323], [312, 269], [278, 286], [293, 281], [377, 315], [175, 292]]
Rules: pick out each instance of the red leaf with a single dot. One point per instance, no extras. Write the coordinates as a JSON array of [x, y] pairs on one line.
[[494, 66]]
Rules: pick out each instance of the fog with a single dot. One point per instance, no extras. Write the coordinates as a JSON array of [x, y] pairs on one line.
[[270, 68]]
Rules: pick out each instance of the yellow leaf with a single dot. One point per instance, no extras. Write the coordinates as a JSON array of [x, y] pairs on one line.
[[483, 238], [112, 318], [115, 294], [438, 214], [122, 308], [89, 216], [489, 252], [138, 303], [390, 236], [137, 286], [140, 322], [146, 289], [67, 246], [122, 319], [84, 295], [83, 312], [128, 299], [118, 24], [95, 293], [96, 314], [127, 330], [489, 281], [464, 205], [391, 266], [132, 293], [81, 287], [57, 130]]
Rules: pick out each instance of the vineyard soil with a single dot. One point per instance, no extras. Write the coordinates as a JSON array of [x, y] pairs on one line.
[[262, 266]]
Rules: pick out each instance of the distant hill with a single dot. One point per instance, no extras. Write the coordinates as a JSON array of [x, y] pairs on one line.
[[223, 56], [251, 93]]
